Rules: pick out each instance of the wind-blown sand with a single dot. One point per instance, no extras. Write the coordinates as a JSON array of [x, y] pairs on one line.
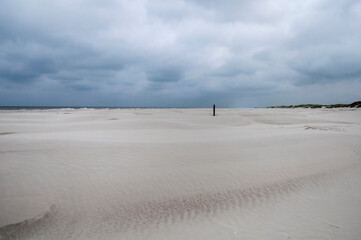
[[180, 174]]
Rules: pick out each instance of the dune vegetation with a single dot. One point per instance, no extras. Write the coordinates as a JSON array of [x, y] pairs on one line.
[[351, 105]]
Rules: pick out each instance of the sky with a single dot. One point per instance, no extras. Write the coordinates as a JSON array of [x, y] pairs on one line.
[[174, 53]]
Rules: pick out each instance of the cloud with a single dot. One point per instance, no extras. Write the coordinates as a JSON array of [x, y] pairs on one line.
[[179, 52], [165, 75]]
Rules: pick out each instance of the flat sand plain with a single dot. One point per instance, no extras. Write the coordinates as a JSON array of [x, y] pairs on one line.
[[180, 174]]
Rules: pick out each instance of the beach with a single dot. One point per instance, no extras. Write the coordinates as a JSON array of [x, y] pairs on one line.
[[176, 173]]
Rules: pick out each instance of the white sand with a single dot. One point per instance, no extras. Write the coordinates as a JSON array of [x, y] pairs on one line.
[[180, 174]]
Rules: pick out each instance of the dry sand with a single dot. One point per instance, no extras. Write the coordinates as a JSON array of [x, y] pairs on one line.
[[180, 174]]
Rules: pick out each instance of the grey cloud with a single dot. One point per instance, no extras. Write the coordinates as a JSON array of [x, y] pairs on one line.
[[327, 65], [165, 75], [81, 87], [263, 56], [21, 70], [178, 53], [335, 70]]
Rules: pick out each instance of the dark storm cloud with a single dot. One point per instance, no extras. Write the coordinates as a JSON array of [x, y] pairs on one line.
[[165, 75], [330, 70], [179, 53], [21, 70], [79, 87]]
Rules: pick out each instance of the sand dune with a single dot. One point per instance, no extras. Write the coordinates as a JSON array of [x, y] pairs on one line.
[[180, 174]]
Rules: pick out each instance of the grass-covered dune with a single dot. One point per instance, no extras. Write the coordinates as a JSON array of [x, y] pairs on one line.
[[352, 105]]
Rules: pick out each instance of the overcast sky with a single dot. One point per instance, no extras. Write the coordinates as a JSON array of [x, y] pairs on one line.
[[190, 53]]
